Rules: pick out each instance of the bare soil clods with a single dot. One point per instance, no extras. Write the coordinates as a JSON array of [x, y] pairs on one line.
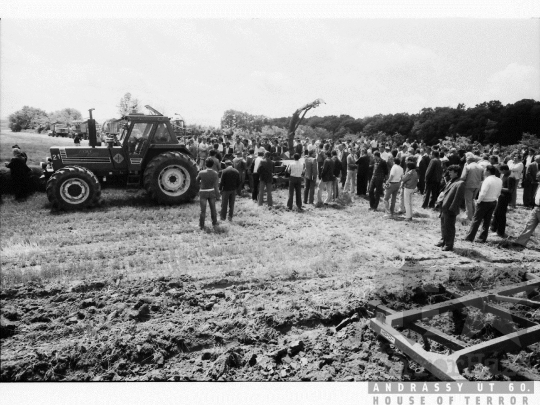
[[181, 329]]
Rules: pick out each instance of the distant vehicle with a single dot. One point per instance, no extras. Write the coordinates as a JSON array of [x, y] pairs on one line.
[[79, 127], [59, 129]]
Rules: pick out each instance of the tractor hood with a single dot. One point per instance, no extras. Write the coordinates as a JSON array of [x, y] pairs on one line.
[[73, 156]]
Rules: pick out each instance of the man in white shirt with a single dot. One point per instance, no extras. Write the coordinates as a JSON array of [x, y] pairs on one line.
[[392, 188], [385, 154], [485, 204], [516, 171], [295, 169], [256, 164]]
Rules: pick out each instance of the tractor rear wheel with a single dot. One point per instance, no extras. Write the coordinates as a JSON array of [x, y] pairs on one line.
[[73, 187], [170, 177]]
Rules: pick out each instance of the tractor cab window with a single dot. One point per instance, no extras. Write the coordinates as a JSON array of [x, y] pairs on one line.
[[139, 137], [123, 133], [162, 134]]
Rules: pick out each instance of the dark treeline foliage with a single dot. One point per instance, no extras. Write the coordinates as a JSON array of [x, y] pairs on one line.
[[488, 122]]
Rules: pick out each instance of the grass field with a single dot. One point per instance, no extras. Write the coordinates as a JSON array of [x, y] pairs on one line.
[[325, 256], [132, 235]]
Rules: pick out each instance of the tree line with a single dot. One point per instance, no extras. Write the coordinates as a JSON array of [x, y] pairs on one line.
[[39, 120], [488, 122]]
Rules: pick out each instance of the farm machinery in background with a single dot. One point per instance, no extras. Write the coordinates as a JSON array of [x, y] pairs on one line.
[[80, 128], [140, 151], [59, 129]]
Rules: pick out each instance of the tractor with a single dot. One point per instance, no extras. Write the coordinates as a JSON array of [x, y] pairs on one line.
[[145, 153]]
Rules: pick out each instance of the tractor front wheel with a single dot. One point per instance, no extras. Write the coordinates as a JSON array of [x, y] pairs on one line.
[[170, 178], [73, 187]]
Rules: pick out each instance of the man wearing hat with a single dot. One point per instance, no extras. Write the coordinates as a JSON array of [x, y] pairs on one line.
[[228, 187]]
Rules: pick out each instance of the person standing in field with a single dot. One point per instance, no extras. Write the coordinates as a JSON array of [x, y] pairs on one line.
[[362, 167], [266, 177], [530, 182], [193, 149], [326, 179], [24, 156], [240, 164], [250, 160], [295, 170], [450, 201], [342, 155], [20, 174], [256, 177], [239, 147], [516, 171], [217, 164], [423, 163], [392, 188], [310, 177], [229, 185], [351, 176], [208, 181], [433, 178], [337, 174], [472, 175], [498, 224], [202, 153], [409, 182], [485, 204], [380, 172]]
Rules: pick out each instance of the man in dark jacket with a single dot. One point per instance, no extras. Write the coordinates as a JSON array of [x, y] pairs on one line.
[[433, 178], [326, 179], [343, 158], [23, 154], [239, 164], [230, 182], [266, 176], [450, 202], [208, 193], [498, 224], [422, 168], [362, 173], [380, 173], [250, 161], [530, 182], [337, 173], [20, 174], [453, 157]]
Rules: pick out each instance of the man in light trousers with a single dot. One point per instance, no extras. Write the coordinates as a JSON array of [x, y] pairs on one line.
[[472, 176]]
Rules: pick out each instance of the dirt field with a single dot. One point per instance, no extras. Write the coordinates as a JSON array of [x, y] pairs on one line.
[[134, 291]]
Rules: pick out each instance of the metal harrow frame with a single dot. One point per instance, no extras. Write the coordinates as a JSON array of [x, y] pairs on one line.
[[449, 367]]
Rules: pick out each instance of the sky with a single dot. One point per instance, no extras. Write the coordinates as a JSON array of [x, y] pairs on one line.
[[201, 67]]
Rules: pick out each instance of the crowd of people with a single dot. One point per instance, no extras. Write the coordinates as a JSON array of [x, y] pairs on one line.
[[482, 183]]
